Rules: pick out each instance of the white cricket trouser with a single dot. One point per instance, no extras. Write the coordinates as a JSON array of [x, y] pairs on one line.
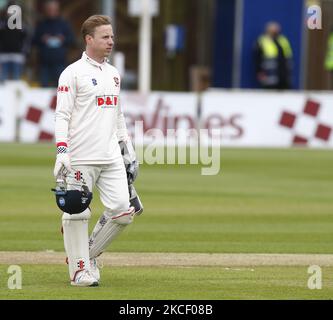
[[111, 181]]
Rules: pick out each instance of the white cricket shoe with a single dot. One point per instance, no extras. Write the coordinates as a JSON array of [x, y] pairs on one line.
[[94, 270], [84, 278]]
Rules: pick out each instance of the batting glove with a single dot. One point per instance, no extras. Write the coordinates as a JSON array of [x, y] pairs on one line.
[[132, 170], [63, 161], [130, 161]]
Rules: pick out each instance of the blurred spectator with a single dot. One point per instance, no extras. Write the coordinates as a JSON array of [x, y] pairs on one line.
[[14, 45], [273, 58], [329, 57], [53, 36]]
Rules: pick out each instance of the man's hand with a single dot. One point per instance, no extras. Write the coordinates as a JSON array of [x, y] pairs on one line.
[[261, 76], [63, 160]]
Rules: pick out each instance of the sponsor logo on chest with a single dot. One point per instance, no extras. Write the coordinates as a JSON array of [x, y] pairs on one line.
[[107, 101]]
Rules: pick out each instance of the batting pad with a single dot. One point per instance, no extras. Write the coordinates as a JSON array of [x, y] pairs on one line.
[[104, 238], [106, 230], [76, 245]]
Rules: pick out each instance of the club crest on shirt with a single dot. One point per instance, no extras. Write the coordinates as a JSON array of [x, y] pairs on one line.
[[94, 81], [116, 81]]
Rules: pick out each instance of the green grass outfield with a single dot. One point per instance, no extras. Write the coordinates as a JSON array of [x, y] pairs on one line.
[[209, 283], [263, 201]]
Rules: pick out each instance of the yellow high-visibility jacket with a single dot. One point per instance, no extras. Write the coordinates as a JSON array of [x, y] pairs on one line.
[[329, 54]]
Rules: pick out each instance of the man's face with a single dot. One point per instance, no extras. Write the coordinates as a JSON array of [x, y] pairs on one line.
[[102, 40], [273, 30], [52, 9]]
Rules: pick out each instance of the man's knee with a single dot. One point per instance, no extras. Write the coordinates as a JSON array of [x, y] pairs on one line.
[[120, 206], [85, 215], [123, 217]]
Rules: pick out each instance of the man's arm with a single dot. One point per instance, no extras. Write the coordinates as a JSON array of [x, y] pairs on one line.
[[258, 58], [69, 38], [64, 109], [257, 55], [122, 132], [130, 161], [126, 146]]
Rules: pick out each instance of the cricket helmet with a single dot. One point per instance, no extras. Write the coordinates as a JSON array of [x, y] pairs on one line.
[[75, 200]]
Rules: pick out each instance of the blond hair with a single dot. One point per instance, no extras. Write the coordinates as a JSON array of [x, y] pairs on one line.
[[89, 26]]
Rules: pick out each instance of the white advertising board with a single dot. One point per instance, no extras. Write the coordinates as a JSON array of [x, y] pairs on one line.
[[37, 115], [235, 118], [7, 115], [270, 119], [155, 117]]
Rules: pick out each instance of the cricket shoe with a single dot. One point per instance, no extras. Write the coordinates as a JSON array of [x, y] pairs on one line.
[[94, 270], [84, 278]]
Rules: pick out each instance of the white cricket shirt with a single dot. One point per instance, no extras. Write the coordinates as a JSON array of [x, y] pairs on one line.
[[88, 114]]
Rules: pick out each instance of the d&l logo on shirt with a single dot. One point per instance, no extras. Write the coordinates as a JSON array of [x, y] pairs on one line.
[[107, 101]]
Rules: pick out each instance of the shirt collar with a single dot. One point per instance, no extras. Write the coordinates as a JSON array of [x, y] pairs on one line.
[[92, 61]]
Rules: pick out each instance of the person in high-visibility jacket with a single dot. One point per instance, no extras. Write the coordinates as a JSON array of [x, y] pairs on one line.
[[329, 53], [329, 57], [273, 58]]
